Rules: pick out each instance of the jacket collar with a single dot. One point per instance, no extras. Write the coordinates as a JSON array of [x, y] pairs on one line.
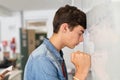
[[53, 50]]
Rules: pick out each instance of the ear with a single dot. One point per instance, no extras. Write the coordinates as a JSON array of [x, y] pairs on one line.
[[64, 27]]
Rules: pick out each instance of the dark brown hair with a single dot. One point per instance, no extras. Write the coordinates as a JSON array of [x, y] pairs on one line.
[[71, 15]]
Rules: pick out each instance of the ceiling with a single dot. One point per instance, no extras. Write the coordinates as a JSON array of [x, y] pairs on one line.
[[18, 5], [22, 5]]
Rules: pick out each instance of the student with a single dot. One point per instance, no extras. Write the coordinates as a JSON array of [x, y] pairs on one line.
[[46, 62]]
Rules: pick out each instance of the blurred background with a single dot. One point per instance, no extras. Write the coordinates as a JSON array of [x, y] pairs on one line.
[[25, 23]]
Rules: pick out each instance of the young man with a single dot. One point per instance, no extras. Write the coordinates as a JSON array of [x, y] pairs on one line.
[[46, 62]]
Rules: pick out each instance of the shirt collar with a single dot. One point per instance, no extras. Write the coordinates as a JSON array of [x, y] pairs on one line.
[[53, 50]]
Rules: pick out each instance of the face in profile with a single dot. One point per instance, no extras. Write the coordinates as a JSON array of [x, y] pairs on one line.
[[75, 36]]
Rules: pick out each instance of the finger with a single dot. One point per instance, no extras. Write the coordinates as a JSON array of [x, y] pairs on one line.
[[88, 56], [81, 54], [78, 51]]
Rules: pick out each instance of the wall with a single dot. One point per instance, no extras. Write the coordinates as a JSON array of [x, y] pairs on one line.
[[102, 39]]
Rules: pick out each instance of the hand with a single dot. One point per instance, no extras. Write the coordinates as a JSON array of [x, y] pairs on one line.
[[82, 63]]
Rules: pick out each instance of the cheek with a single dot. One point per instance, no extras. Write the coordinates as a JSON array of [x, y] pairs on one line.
[[75, 39]]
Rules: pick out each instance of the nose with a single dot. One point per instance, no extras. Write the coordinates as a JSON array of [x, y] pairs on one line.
[[81, 39]]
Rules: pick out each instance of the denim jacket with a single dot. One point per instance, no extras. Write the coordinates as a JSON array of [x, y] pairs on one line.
[[44, 63]]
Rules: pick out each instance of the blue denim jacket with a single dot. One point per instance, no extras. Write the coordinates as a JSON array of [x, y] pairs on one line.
[[44, 63]]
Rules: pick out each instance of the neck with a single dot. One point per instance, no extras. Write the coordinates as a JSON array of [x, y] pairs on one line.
[[56, 41]]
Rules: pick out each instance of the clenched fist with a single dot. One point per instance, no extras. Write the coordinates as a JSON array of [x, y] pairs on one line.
[[82, 63]]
